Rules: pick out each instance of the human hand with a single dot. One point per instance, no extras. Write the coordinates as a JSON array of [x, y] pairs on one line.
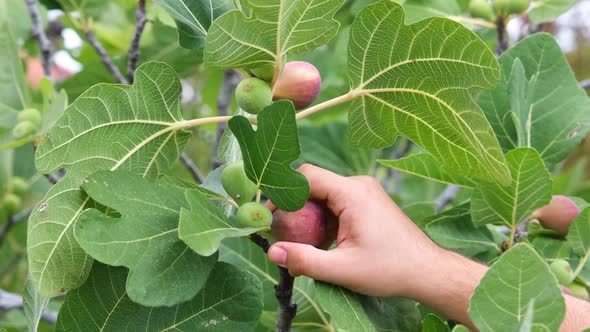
[[379, 252]]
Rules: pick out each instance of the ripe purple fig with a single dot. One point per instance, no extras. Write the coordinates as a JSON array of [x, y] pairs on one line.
[[558, 215], [299, 82], [307, 225]]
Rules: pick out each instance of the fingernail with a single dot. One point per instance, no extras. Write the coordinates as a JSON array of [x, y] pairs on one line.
[[277, 255]]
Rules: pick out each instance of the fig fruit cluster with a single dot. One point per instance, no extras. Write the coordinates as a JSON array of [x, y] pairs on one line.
[[238, 186], [12, 200], [566, 277], [28, 123], [299, 82], [307, 225], [481, 9]]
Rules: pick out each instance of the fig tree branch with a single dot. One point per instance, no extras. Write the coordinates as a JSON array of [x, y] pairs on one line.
[[12, 221], [11, 301], [230, 82], [140, 21], [192, 168], [446, 197], [502, 44], [39, 34], [104, 56], [283, 290]]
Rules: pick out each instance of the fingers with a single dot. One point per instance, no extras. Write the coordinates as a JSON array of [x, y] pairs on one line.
[[326, 186], [303, 259]]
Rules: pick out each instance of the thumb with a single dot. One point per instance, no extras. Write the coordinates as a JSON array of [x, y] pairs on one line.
[[304, 259]]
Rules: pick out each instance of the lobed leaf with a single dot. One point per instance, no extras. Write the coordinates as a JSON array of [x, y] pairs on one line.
[[268, 153], [229, 301], [530, 189], [578, 236], [344, 308], [549, 10], [502, 300], [194, 17], [538, 102], [109, 127], [276, 28], [162, 269], [414, 80]]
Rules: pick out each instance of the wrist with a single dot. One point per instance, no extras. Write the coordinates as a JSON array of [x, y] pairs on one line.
[[445, 282]]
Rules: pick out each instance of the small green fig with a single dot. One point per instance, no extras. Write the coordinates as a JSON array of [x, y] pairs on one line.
[[558, 215], [253, 95], [562, 271], [12, 202], [18, 185], [579, 290], [25, 128], [518, 6], [481, 9], [307, 225], [253, 214], [266, 72], [29, 114], [299, 82], [236, 184], [501, 7]]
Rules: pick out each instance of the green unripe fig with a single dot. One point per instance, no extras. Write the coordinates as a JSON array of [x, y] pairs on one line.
[[253, 214], [518, 6], [299, 82], [558, 215], [266, 72], [501, 7], [562, 271], [307, 225], [30, 114], [253, 95], [579, 290], [18, 185], [25, 128], [12, 202], [236, 184], [481, 9]]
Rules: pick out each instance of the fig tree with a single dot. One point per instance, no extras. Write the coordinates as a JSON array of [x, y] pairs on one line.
[[18, 185], [25, 128], [253, 214], [579, 290], [307, 225], [266, 72], [236, 184], [299, 82], [253, 95], [29, 114], [481, 9], [12, 202], [562, 271], [558, 215]]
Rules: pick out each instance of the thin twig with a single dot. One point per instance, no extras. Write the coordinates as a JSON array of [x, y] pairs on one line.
[[284, 295], [39, 34], [230, 82], [104, 57], [502, 40], [446, 197], [283, 291], [393, 173], [12, 221], [192, 168], [140, 22], [11, 301]]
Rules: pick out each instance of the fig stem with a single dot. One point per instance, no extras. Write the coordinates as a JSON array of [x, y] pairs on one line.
[[258, 196], [283, 291], [284, 295], [581, 265]]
